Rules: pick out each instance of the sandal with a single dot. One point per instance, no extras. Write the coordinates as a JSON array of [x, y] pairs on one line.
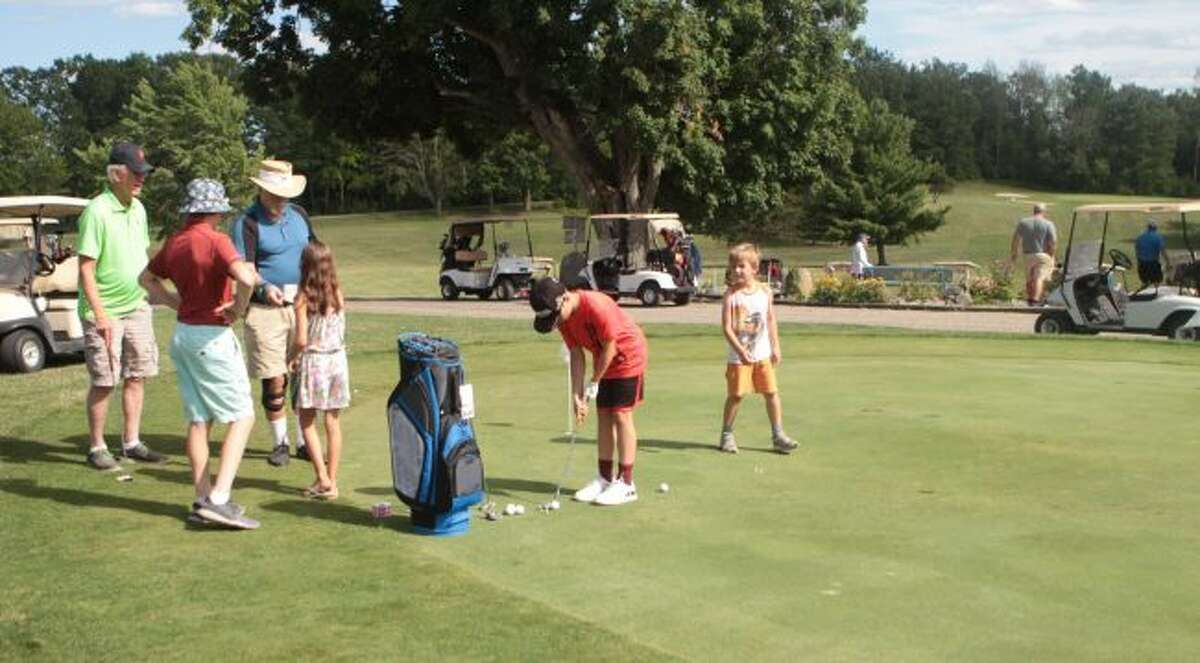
[[318, 493]]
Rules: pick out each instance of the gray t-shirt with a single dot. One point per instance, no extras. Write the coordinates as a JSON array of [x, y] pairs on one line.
[[1036, 234]]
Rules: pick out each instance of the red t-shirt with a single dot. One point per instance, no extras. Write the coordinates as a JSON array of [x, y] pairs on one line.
[[597, 320], [197, 259]]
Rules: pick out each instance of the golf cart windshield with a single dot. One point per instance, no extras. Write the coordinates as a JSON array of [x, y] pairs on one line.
[[631, 238], [1104, 237], [28, 228]]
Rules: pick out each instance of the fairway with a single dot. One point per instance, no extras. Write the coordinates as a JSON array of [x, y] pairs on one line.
[[955, 498]]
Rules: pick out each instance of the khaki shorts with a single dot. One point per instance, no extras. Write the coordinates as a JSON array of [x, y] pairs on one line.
[[1038, 267], [742, 379], [269, 332], [134, 350]]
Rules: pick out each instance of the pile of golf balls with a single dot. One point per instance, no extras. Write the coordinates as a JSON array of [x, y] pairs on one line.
[[514, 509]]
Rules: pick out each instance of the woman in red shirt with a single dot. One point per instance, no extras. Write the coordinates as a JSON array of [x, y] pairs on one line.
[[592, 321]]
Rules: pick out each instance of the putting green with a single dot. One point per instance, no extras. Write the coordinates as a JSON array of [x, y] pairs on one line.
[[979, 498]]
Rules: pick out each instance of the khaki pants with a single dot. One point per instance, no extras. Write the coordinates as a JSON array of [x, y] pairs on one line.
[[269, 331], [1038, 269]]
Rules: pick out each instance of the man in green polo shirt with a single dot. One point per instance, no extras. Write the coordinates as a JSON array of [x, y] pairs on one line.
[[117, 327]]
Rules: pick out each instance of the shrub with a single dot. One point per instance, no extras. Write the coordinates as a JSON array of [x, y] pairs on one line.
[[827, 289], [916, 291], [843, 289], [995, 284]]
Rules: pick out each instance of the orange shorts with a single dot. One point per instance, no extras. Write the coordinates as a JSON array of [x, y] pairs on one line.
[[758, 378]]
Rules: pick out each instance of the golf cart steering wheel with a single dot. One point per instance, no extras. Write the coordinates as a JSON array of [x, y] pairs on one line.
[[1119, 259], [45, 265]]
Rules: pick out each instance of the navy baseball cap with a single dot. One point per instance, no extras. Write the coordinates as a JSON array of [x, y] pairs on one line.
[[131, 156], [545, 298]]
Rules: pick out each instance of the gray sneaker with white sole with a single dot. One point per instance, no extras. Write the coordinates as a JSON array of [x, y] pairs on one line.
[[228, 514], [101, 459]]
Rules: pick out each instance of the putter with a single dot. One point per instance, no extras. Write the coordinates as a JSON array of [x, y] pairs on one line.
[[566, 472]]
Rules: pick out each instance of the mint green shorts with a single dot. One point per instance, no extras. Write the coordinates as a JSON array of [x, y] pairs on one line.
[[211, 373]]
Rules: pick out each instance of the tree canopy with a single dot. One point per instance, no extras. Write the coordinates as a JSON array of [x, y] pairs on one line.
[[718, 106]]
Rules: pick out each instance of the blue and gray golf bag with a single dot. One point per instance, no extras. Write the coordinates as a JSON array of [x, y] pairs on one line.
[[436, 467]]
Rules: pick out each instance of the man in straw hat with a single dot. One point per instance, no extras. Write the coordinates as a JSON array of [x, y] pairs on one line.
[[271, 235], [118, 330], [1037, 239], [212, 379]]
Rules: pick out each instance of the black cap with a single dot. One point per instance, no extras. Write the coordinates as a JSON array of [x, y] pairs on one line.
[[131, 156], [545, 298]]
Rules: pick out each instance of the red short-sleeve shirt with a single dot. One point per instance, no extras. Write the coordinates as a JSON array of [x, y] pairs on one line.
[[197, 260], [598, 320]]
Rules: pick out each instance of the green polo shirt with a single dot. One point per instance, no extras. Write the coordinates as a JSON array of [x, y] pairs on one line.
[[119, 239]]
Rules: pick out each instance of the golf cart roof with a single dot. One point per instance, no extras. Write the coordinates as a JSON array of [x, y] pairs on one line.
[[656, 222], [24, 207], [487, 219], [1183, 207]]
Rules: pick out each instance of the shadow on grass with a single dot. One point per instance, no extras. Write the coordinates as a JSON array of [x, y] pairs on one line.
[[506, 486], [643, 443], [82, 498], [340, 513], [184, 477], [17, 451]]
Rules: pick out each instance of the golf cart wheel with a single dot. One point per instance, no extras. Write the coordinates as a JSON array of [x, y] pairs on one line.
[[1054, 322], [505, 290], [485, 294], [449, 290], [1175, 330], [22, 351], [650, 294], [683, 298]]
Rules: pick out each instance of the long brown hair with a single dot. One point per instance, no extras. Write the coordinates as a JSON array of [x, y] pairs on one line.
[[318, 278]]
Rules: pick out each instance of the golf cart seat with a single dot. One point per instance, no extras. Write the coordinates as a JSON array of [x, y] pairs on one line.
[[64, 279]]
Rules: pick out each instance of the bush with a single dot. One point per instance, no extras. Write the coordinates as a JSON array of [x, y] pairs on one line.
[[916, 291], [994, 285], [844, 289]]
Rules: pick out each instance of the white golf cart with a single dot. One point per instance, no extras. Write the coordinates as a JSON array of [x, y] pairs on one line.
[[39, 282], [648, 256], [468, 268], [1094, 295]]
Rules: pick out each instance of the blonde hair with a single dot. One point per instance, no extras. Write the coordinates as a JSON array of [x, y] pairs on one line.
[[738, 253]]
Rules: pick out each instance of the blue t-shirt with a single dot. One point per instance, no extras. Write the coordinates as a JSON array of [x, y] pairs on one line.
[[1149, 246], [280, 243]]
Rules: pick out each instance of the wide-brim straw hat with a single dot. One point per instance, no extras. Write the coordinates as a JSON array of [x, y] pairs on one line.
[[277, 177], [205, 196]]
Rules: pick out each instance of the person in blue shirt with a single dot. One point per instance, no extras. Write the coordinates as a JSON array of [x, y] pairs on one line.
[[271, 234], [1150, 246]]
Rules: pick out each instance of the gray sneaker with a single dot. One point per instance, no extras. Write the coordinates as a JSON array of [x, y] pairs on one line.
[[728, 444], [102, 460], [228, 514], [279, 455], [784, 444], [194, 518], [142, 454]]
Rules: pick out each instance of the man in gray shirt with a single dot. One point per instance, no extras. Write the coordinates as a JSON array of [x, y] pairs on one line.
[[1036, 238]]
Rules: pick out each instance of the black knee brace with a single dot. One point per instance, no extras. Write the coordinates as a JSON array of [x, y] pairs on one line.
[[273, 401]]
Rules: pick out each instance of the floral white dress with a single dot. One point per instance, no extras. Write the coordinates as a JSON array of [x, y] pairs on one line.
[[323, 374]]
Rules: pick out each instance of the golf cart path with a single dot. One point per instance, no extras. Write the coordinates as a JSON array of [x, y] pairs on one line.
[[710, 313]]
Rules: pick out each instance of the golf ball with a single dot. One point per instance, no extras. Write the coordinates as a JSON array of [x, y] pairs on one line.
[[553, 505], [510, 509], [520, 509], [663, 487]]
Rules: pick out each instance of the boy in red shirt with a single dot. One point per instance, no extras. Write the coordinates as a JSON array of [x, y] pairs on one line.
[[592, 321], [208, 359]]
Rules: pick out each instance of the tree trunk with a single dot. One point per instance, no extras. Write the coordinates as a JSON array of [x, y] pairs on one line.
[[882, 251], [437, 205], [491, 201], [528, 200]]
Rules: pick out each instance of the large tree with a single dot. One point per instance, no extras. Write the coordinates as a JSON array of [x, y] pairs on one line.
[[722, 106]]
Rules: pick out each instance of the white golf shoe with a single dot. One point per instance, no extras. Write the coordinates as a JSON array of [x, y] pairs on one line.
[[591, 491], [616, 494]]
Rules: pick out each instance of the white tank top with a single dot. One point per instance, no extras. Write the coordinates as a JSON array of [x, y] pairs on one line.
[[749, 317]]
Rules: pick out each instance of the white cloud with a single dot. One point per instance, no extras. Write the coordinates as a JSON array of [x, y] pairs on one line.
[[311, 41], [1152, 43], [151, 8]]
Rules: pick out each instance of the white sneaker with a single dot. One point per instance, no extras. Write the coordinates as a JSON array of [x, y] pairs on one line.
[[591, 491], [617, 493]]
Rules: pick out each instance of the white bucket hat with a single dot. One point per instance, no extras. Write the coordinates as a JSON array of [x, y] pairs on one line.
[[205, 196], [277, 178]]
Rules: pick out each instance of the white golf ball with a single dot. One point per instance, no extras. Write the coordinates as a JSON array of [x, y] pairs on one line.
[[510, 509], [520, 509], [554, 505], [663, 487]]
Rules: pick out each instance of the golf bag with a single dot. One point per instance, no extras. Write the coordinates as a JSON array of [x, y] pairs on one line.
[[436, 467]]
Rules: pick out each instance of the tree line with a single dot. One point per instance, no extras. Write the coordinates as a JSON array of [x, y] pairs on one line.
[[1072, 132]]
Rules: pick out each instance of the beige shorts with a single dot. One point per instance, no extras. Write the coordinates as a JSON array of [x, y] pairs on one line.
[[269, 332], [1038, 267], [134, 350]]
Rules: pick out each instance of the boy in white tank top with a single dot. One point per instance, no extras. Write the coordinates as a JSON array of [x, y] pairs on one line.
[[748, 318]]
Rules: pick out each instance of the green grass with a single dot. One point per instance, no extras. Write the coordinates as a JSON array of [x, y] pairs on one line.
[[982, 498], [396, 254]]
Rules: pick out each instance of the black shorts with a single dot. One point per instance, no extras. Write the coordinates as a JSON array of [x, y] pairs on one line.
[[620, 394], [1150, 271]]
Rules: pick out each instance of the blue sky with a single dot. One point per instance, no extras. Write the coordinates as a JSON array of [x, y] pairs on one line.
[[1155, 43]]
